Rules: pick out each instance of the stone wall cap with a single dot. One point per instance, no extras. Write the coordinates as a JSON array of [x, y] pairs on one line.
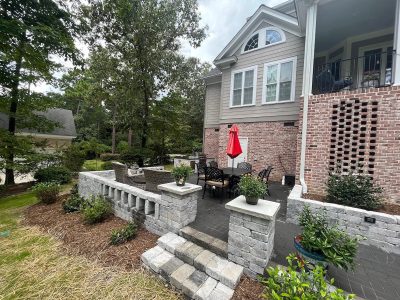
[[264, 209], [171, 187]]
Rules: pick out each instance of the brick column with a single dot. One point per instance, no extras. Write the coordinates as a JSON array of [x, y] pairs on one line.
[[178, 205], [251, 233]]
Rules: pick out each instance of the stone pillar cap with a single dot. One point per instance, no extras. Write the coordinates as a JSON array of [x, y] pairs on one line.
[[264, 209], [171, 187]]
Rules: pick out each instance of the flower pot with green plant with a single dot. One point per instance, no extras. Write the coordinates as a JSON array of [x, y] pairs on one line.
[[252, 188], [321, 243], [181, 174]]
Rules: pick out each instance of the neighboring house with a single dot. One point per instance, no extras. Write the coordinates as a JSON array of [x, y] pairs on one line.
[[58, 138], [331, 63]]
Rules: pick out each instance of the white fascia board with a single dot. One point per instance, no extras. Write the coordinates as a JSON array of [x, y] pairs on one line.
[[286, 22]]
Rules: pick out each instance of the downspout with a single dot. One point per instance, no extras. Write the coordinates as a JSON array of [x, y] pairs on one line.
[[307, 84]]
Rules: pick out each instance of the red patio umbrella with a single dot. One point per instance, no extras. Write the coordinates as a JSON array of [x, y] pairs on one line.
[[233, 149]]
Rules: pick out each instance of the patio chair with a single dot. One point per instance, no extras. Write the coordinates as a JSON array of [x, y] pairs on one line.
[[213, 164], [245, 165], [234, 185], [326, 83], [155, 177], [264, 177], [121, 173], [214, 178], [201, 169]]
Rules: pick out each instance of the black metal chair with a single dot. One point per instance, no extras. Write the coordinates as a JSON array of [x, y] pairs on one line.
[[264, 177], [245, 165], [234, 185], [201, 170], [215, 178], [213, 164]]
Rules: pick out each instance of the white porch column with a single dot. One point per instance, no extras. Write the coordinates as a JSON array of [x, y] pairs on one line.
[[396, 46], [307, 81]]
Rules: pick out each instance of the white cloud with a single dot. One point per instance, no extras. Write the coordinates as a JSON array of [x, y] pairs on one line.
[[224, 19]]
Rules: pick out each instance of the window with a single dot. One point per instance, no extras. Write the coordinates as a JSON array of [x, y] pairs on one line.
[[272, 36], [263, 38], [279, 81], [252, 43], [243, 84]]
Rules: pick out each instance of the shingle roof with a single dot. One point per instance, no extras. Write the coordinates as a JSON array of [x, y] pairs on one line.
[[213, 72], [63, 117]]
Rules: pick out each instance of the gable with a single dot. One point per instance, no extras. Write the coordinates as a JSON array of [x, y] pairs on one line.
[[263, 14]]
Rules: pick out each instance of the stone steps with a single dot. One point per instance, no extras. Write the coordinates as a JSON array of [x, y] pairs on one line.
[[197, 272], [206, 241]]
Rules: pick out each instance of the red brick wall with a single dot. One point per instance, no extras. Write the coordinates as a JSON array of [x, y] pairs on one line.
[[269, 143], [387, 157], [211, 142]]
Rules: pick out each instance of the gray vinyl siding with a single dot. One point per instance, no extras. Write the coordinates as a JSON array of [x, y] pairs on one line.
[[293, 47], [213, 99]]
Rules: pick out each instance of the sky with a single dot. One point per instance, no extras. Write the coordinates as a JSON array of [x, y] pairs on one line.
[[224, 19]]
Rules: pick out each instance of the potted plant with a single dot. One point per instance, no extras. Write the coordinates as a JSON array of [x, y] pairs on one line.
[[181, 174], [321, 243], [252, 188]]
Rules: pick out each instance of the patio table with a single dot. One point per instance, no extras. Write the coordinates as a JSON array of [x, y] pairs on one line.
[[235, 171]]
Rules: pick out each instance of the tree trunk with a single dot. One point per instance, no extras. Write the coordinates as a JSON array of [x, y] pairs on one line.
[[130, 138], [11, 121]]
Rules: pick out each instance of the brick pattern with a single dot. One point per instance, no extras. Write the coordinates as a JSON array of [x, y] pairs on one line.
[[381, 143], [211, 142], [269, 143]]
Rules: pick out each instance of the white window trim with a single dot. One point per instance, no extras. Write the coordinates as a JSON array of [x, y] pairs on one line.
[[262, 38], [254, 68], [292, 90]]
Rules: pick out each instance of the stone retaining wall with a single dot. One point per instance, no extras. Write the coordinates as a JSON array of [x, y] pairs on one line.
[[170, 211], [384, 233]]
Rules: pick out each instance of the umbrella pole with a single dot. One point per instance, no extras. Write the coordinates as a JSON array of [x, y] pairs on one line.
[[233, 163]]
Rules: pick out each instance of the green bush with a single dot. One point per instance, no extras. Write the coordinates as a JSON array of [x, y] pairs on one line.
[[58, 174], [96, 210], [297, 283], [181, 172], [107, 165], [73, 203], [122, 235], [338, 247], [47, 192], [73, 158], [122, 146], [109, 156], [354, 190], [252, 187]]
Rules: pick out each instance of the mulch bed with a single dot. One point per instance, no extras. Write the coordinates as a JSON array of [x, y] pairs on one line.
[[248, 289], [15, 189], [388, 208], [92, 241]]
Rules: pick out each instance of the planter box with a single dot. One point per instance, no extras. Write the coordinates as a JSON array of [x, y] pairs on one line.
[[380, 229]]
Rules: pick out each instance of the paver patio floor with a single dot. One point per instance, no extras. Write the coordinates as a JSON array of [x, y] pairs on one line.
[[377, 274]]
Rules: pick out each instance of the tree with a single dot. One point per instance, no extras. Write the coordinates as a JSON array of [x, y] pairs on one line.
[[31, 34], [145, 37]]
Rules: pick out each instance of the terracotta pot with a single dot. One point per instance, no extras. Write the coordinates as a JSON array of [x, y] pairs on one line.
[[313, 258], [252, 200], [180, 181]]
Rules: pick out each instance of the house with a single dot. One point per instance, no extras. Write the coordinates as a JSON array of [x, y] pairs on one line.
[[313, 87], [61, 136]]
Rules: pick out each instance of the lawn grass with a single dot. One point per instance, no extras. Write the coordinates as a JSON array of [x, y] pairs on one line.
[[33, 266], [93, 165]]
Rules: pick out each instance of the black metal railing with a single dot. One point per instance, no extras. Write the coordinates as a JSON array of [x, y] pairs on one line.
[[371, 70]]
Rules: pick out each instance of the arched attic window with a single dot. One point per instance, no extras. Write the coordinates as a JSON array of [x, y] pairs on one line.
[[252, 43], [272, 36]]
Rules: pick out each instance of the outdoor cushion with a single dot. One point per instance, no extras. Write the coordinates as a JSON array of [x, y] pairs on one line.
[[218, 183]]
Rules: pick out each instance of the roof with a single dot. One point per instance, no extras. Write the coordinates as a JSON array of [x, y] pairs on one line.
[[213, 73], [287, 7], [63, 117]]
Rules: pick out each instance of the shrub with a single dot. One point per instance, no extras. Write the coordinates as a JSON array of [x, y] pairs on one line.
[[73, 203], [53, 174], [122, 146], [122, 235], [252, 187], [338, 247], [96, 210], [354, 190], [107, 165], [47, 192], [181, 172], [296, 283], [109, 156], [73, 158]]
